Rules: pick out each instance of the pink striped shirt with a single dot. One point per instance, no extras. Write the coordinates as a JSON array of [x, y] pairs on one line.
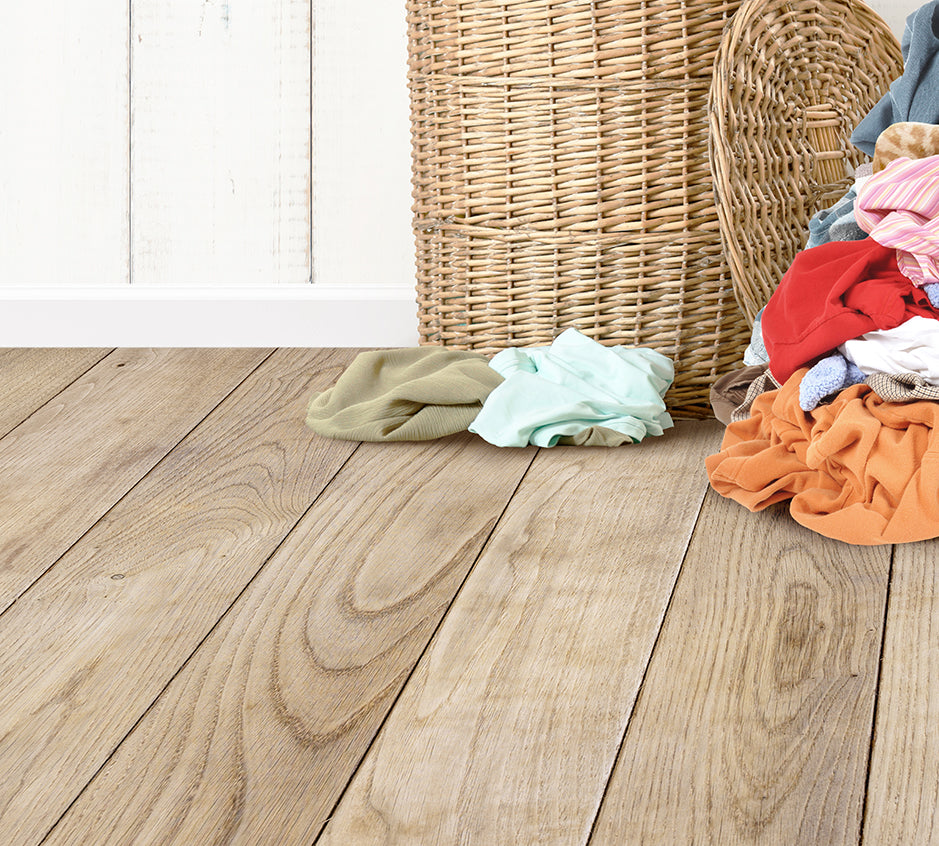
[[899, 207]]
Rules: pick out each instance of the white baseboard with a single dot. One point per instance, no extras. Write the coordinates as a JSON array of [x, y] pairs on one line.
[[167, 316]]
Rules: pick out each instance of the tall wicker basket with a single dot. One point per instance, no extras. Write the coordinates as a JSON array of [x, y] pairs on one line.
[[561, 178]]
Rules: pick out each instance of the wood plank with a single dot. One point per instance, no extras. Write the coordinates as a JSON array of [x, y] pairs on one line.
[[254, 741], [64, 144], [66, 465], [220, 162], [361, 123], [754, 721], [128, 604], [30, 377], [508, 729], [903, 791]]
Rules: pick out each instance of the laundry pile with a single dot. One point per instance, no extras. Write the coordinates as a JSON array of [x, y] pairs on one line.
[[835, 406], [573, 392]]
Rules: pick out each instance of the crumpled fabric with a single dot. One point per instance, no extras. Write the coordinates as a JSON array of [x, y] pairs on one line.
[[838, 222], [831, 294], [905, 140], [412, 394], [899, 206], [729, 392], [733, 393], [827, 376], [914, 96], [902, 387], [576, 388], [911, 347], [860, 470], [759, 386], [755, 354]]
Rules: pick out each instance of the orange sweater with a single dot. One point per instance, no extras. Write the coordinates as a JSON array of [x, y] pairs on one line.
[[860, 469]]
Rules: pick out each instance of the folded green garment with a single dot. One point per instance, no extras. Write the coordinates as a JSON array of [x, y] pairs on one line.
[[404, 395]]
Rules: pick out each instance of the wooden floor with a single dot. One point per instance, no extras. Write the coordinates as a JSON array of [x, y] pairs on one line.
[[218, 627]]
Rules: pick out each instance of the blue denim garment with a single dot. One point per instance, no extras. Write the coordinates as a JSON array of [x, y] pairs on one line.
[[836, 223], [915, 95]]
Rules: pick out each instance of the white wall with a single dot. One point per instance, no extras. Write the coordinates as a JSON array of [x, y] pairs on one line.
[[64, 135], [156, 173], [361, 185], [158, 186], [895, 12]]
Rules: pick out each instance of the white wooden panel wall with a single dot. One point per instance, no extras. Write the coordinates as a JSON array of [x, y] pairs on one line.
[[362, 144], [64, 142], [156, 174], [220, 161], [156, 184]]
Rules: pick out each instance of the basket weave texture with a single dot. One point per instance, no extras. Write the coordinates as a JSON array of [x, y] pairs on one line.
[[792, 79], [561, 178]]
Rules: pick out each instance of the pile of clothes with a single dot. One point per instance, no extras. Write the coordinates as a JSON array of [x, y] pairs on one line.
[[574, 391], [835, 407]]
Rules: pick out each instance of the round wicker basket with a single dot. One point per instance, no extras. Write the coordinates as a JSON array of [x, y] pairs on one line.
[[792, 79]]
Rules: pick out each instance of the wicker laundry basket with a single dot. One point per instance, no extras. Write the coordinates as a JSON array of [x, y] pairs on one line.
[[792, 79], [561, 178]]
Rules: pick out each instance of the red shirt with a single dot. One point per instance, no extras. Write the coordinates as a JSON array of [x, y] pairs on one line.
[[831, 294]]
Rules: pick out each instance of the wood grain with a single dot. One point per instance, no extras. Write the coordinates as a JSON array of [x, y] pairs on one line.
[[220, 160], [128, 604], [754, 720], [508, 730], [66, 465], [30, 377], [254, 741], [63, 147], [192, 669], [903, 791]]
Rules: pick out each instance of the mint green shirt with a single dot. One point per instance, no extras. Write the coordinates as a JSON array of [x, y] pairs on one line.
[[571, 386]]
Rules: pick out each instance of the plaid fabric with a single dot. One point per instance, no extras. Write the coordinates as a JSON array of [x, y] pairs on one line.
[[902, 387], [891, 387], [758, 386]]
